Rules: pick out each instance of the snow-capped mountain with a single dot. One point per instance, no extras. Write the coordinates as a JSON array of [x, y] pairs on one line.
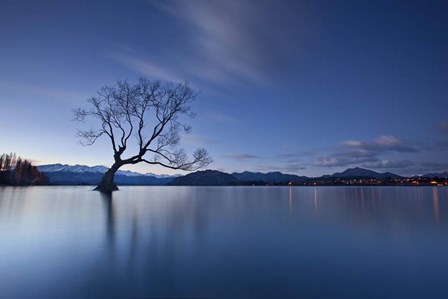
[[95, 169], [71, 168]]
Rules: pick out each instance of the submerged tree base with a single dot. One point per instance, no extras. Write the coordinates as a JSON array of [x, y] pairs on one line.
[[106, 189], [107, 184]]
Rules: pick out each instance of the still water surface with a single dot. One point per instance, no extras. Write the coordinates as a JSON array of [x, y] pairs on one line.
[[224, 242]]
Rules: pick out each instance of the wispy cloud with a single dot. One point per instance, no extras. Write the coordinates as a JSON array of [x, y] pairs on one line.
[[343, 159], [291, 162], [390, 164], [433, 166], [361, 152], [290, 168], [294, 156], [146, 67], [381, 144], [224, 41], [242, 156]]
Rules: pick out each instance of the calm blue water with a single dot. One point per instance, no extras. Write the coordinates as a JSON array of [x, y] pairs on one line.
[[224, 242]]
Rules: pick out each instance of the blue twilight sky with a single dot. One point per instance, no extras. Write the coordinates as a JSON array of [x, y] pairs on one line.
[[304, 87]]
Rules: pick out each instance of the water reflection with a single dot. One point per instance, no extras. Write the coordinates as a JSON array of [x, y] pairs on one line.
[[373, 200], [361, 189], [435, 204], [109, 217], [290, 199], [233, 242]]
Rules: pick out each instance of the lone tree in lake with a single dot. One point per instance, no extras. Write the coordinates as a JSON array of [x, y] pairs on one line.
[[149, 112]]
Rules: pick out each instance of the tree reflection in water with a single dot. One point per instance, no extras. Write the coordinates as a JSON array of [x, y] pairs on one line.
[[223, 242]]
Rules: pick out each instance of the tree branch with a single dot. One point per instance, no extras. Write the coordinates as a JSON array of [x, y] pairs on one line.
[[124, 108]]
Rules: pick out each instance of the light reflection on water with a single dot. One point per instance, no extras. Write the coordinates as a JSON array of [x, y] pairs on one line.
[[224, 242]]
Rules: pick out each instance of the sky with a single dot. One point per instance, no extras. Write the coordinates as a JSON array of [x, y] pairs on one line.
[[302, 87]]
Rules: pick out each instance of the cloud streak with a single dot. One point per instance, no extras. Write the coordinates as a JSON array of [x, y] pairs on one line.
[[146, 67], [381, 144], [290, 168], [389, 164], [226, 41], [242, 156], [368, 153]]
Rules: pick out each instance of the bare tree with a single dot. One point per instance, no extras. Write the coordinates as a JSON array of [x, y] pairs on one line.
[[148, 111]]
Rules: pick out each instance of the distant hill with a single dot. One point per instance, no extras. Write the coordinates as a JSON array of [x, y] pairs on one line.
[[361, 172], [270, 177], [434, 175], [60, 174], [205, 178]]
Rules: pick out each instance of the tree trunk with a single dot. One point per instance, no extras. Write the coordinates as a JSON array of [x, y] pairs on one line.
[[107, 184]]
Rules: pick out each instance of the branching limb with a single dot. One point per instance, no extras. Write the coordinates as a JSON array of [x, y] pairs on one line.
[[89, 137], [124, 109]]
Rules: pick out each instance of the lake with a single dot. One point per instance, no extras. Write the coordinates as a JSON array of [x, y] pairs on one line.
[[224, 242]]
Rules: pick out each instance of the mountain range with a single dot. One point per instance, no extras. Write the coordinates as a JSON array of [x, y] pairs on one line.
[[93, 169], [60, 174], [205, 178], [272, 177], [439, 175], [361, 172]]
